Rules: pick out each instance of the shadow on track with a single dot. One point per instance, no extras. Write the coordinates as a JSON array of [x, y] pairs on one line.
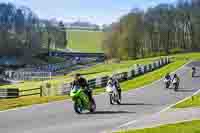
[[134, 104], [111, 112], [194, 64], [184, 90], [196, 76]]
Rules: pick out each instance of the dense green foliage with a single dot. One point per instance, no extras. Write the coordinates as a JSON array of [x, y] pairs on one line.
[[23, 33], [163, 29]]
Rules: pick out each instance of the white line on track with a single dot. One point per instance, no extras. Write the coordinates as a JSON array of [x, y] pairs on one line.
[[163, 110], [166, 108]]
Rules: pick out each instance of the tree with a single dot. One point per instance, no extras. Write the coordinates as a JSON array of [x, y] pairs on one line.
[[124, 41], [163, 29]]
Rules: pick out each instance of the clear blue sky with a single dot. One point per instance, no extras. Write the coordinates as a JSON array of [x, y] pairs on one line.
[[95, 11]]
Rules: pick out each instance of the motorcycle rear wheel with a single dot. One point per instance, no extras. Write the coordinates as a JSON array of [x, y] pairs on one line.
[[93, 106], [118, 100]]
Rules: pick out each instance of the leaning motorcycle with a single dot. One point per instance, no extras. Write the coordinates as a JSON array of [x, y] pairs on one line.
[[175, 84], [81, 100], [113, 95], [193, 73], [167, 83]]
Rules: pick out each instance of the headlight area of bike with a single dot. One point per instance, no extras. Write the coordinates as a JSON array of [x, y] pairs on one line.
[[74, 91]]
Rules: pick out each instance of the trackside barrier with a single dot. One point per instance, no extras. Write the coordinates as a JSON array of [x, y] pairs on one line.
[[31, 92], [101, 81], [92, 83], [43, 72], [98, 82], [32, 76], [137, 70], [16, 93], [121, 76], [9, 93]]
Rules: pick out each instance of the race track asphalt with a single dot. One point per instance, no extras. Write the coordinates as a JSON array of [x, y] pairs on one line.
[[59, 117]]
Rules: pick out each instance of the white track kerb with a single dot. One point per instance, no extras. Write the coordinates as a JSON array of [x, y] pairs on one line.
[[166, 108]]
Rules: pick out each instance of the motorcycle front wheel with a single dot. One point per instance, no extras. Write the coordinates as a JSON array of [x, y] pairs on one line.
[[111, 98], [176, 87], [167, 85], [78, 107], [193, 74]]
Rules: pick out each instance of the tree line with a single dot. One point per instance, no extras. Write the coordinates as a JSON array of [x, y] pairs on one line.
[[22, 32], [160, 30]]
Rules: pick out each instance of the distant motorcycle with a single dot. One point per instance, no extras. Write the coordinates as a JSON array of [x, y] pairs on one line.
[[175, 83], [167, 83], [113, 95], [193, 72]]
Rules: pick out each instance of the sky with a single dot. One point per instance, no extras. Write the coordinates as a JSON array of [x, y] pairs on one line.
[[98, 12]]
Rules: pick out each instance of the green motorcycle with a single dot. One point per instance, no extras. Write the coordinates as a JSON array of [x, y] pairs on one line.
[[81, 100]]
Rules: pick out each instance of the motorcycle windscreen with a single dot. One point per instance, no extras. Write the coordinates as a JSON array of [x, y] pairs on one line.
[[74, 91], [110, 89], [174, 81]]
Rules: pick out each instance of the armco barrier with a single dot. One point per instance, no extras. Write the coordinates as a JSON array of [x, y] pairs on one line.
[[121, 76], [136, 71], [101, 82], [104, 81], [129, 75], [93, 83], [150, 67]]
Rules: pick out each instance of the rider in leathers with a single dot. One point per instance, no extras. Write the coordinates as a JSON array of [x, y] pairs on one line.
[[82, 82], [114, 82]]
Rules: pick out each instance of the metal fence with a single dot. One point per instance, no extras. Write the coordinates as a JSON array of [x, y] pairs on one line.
[[16, 93], [123, 76], [38, 73]]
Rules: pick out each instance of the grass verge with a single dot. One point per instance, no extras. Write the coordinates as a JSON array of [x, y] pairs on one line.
[[192, 102], [6, 104], [131, 84], [149, 77], [184, 127], [85, 41], [152, 76]]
